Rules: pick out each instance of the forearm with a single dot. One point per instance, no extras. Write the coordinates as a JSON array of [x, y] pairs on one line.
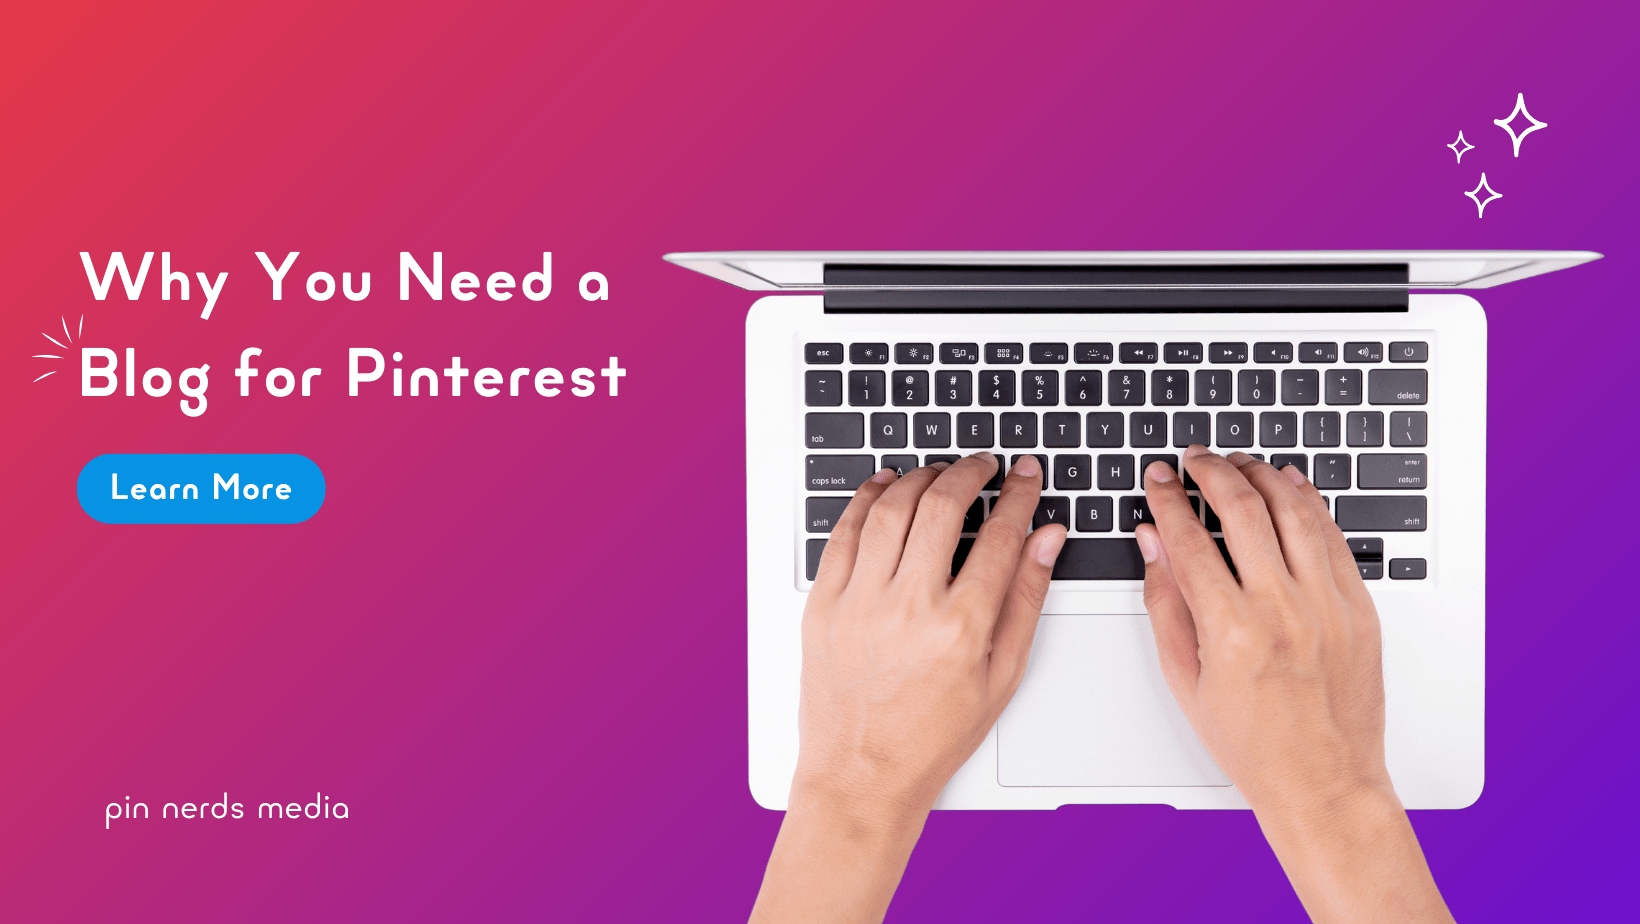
[[836, 860], [1355, 859]]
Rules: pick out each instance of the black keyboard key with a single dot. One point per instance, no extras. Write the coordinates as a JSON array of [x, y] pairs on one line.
[[1093, 353], [822, 513], [1169, 387], [1227, 352], [1019, 430], [1105, 430], [1332, 471], [1272, 352], [953, 388], [1115, 472], [823, 354], [1094, 514], [1050, 353], [1039, 387], [1283, 459], [1370, 570], [1138, 352], [996, 388], [1408, 428], [1401, 470], [1363, 352], [1009, 353], [1235, 429], [1382, 513], [1072, 472], [1317, 352], [868, 354], [1171, 459], [931, 430], [962, 354], [1082, 387], [1099, 560], [1364, 428], [910, 387], [1300, 386], [914, 354], [1408, 569], [1041, 461], [888, 431], [1062, 429], [1126, 387], [1368, 547], [1322, 428], [1397, 386], [867, 388], [936, 458], [834, 431], [1147, 428], [1409, 351], [975, 517], [1182, 353], [1131, 511], [902, 464], [812, 550], [1256, 387], [1052, 510], [960, 556], [838, 473], [823, 389], [1212, 387], [975, 430], [1342, 386], [1278, 429], [1191, 428]]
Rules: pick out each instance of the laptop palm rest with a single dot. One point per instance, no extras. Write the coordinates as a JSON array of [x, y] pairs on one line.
[[1093, 710]]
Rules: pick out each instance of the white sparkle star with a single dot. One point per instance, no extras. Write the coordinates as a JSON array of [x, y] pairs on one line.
[[1480, 204], [1461, 147], [1508, 124]]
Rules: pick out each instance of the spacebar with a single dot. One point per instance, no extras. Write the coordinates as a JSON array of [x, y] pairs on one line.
[[1099, 560]]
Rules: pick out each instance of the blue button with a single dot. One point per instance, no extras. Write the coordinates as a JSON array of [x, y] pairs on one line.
[[201, 488]]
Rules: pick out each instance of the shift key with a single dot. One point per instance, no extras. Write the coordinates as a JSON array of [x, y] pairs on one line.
[[1382, 513], [1403, 471], [838, 473]]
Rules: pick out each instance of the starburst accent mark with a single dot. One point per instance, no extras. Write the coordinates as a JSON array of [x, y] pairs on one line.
[[1508, 123], [1480, 204], [1461, 147]]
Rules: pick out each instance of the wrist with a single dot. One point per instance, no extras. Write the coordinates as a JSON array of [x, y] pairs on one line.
[[861, 811]]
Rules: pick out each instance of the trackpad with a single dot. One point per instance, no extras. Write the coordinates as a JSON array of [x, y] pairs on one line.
[[1093, 710]]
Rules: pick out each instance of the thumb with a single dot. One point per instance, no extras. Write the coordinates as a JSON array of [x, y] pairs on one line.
[[1022, 607], [1170, 618]]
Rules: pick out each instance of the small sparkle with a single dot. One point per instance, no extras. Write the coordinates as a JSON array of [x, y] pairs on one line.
[[1508, 123], [1480, 204], [1461, 147]]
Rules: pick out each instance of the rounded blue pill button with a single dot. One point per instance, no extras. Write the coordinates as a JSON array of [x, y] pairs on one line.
[[201, 488]]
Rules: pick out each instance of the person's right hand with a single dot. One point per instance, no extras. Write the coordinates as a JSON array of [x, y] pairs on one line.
[[1278, 668]]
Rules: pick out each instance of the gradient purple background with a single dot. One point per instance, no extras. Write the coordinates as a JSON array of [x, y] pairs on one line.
[[534, 709]]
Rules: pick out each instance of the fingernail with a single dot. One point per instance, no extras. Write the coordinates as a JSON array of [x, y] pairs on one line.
[[1159, 472], [885, 476], [1147, 544], [1196, 450], [940, 466], [1027, 467], [1294, 475], [1047, 547], [1238, 459]]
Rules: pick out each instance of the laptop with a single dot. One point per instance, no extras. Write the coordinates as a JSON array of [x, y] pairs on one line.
[[1100, 363]]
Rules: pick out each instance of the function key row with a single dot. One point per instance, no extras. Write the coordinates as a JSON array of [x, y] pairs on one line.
[[867, 354]]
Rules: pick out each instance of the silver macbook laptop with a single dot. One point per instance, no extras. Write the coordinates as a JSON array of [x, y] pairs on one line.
[[1100, 363]]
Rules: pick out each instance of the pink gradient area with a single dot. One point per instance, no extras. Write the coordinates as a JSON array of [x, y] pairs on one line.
[[513, 638]]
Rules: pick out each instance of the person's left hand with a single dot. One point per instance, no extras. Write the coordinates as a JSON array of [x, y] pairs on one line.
[[905, 669]]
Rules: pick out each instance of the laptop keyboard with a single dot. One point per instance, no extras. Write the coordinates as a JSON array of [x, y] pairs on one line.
[[1349, 414]]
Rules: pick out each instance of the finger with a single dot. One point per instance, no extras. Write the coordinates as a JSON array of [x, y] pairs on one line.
[[1170, 619], [989, 569], [1342, 560], [882, 539], [1248, 532], [837, 561], [938, 522], [1297, 529], [1202, 575], [1021, 610]]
